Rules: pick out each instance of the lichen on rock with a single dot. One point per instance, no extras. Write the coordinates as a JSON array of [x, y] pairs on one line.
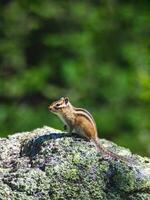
[[48, 164]]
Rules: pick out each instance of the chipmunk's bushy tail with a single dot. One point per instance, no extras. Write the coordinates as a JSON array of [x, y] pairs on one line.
[[107, 152]]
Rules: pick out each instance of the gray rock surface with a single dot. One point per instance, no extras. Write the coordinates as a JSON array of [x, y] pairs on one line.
[[48, 164]]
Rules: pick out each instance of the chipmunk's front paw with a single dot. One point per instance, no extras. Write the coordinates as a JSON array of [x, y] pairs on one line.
[[65, 127]]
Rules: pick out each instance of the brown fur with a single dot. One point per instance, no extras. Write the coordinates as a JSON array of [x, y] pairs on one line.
[[87, 127]]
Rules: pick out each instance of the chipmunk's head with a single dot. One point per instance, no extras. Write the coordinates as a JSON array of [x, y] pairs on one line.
[[59, 106]]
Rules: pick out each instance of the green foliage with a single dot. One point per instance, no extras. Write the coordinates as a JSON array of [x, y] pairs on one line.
[[95, 52]]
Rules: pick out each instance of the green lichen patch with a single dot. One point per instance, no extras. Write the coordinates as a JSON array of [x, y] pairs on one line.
[[25, 180], [139, 196]]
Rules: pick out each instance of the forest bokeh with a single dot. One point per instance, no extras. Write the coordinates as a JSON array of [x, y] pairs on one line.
[[96, 52]]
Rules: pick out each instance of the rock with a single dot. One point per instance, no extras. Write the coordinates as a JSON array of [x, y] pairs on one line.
[[48, 164]]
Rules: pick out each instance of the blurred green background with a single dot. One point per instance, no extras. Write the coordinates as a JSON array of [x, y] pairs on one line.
[[95, 52]]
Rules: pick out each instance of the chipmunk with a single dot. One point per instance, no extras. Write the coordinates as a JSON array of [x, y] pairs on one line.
[[80, 121]]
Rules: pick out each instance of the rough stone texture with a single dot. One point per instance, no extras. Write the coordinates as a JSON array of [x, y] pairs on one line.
[[48, 164]]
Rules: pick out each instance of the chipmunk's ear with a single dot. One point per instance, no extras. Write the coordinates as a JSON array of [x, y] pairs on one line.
[[66, 100]]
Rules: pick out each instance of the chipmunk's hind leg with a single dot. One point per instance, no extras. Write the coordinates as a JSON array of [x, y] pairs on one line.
[[70, 129]]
